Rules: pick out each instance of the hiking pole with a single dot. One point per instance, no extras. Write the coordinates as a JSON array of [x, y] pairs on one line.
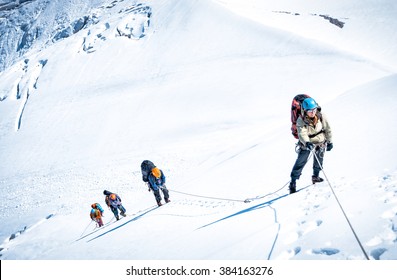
[[340, 206]]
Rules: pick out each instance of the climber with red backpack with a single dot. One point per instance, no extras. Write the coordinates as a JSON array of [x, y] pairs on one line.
[[312, 128], [113, 201]]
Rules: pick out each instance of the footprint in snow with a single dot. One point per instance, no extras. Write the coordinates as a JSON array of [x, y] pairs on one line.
[[325, 251], [306, 227], [312, 226], [303, 229], [377, 253], [286, 255]]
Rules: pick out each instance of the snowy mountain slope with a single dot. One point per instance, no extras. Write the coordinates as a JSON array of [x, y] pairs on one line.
[[364, 28], [205, 94], [125, 70], [377, 106]]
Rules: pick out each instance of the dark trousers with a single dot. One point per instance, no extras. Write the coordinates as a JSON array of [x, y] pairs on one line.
[[301, 161], [158, 196], [115, 210]]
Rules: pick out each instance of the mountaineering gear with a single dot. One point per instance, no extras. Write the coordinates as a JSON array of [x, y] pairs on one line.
[[316, 179], [296, 112], [113, 201], [314, 134], [146, 169], [97, 206], [156, 172], [309, 145], [301, 161], [312, 111], [309, 104], [156, 180], [96, 214], [329, 146], [292, 187], [316, 129], [347, 219]]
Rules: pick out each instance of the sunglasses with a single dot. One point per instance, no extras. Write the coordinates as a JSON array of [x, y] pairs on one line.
[[312, 110]]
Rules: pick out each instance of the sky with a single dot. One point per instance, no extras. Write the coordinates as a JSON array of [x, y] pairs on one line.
[[203, 89]]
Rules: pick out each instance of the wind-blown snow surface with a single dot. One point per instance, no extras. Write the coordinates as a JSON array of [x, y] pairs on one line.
[[205, 93]]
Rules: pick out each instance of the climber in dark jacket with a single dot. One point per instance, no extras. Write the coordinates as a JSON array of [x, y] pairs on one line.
[[113, 201], [157, 183]]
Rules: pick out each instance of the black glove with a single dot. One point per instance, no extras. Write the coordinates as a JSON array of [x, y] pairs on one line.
[[329, 147], [309, 146]]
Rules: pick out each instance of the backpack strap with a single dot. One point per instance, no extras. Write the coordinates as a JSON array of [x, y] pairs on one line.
[[314, 135]]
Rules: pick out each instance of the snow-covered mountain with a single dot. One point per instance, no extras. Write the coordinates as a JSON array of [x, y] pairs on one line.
[[90, 89], [31, 25]]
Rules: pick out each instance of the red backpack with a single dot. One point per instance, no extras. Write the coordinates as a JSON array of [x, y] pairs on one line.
[[296, 112]]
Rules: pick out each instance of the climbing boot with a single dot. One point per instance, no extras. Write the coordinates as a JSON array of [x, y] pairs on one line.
[[316, 179], [292, 187]]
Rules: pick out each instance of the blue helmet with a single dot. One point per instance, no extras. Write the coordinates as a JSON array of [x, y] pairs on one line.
[[309, 104]]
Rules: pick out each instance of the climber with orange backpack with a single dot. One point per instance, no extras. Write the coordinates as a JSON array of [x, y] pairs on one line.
[[155, 180], [96, 214], [156, 183], [113, 201]]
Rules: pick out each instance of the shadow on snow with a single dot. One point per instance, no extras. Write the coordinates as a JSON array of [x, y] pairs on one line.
[[253, 208]]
